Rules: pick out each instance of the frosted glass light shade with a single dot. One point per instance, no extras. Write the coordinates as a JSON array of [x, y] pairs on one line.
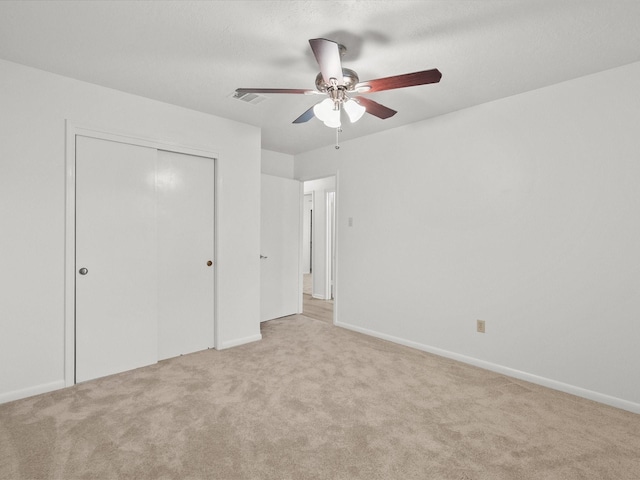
[[325, 111], [354, 110], [333, 121]]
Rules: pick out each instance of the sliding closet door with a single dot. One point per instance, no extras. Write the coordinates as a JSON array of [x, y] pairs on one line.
[[116, 257], [185, 255]]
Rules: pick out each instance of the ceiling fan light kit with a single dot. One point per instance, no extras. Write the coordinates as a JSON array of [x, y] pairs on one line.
[[328, 111], [339, 83]]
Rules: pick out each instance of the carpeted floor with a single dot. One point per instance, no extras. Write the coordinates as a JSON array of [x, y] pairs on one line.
[[313, 401]]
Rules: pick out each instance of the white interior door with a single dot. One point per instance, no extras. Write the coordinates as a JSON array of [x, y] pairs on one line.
[[185, 186], [280, 244], [116, 242]]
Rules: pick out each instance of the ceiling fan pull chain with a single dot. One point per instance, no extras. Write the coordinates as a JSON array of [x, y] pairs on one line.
[[338, 130]]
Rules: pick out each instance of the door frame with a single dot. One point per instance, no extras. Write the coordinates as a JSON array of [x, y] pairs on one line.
[[330, 243], [73, 130]]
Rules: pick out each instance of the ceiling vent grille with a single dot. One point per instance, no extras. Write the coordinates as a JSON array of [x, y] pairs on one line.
[[252, 98]]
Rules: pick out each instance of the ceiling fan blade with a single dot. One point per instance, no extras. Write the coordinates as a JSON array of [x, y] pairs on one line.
[[327, 54], [399, 81], [376, 109], [306, 116], [243, 91]]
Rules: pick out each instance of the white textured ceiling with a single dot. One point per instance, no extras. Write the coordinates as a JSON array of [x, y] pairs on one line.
[[195, 54]]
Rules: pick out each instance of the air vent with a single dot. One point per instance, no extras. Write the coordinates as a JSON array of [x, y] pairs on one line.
[[252, 98]]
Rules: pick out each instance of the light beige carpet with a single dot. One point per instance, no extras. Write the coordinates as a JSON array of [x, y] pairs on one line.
[[313, 401]]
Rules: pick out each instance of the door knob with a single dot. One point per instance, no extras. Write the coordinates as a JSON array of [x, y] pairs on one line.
[[209, 263], [262, 257], [83, 271]]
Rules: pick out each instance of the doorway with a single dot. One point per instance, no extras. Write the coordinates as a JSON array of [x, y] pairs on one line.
[[319, 247]]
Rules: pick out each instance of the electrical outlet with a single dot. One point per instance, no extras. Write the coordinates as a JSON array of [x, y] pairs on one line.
[[480, 326]]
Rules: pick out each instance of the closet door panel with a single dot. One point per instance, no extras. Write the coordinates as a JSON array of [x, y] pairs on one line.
[[186, 253], [116, 257]]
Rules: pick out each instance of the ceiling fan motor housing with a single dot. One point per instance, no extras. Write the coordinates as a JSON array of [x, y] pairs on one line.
[[350, 79]]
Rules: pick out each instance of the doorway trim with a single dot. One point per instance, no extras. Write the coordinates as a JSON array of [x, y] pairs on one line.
[[71, 131], [330, 240]]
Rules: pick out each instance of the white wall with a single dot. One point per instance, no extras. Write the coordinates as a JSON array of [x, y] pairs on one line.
[[276, 164], [522, 212], [33, 109], [318, 188]]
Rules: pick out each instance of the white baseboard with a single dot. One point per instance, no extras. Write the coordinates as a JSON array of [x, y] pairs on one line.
[[528, 377], [240, 341], [49, 387], [31, 391]]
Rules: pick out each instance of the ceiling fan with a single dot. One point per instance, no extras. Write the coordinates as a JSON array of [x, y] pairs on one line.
[[343, 88]]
